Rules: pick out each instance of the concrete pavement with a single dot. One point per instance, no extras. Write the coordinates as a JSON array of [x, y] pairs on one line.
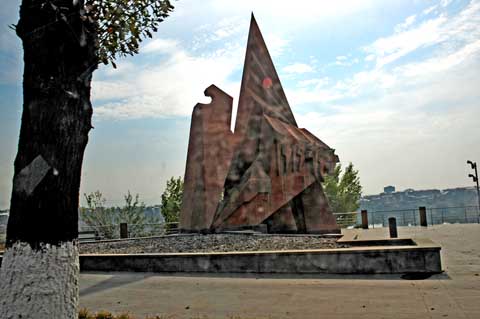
[[454, 294]]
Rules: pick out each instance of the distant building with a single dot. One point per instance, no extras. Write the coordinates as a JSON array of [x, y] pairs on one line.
[[412, 199], [389, 189]]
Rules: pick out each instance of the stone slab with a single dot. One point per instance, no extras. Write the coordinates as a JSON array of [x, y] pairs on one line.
[[424, 256]]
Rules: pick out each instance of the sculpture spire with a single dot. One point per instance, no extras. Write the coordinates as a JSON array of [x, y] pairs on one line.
[[261, 85]]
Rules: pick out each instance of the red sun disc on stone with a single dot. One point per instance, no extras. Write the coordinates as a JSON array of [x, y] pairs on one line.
[[267, 83]]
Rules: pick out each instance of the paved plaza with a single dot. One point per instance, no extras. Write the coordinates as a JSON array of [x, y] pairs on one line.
[[453, 294]]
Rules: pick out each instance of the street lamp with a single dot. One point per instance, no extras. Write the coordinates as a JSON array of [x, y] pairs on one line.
[[475, 180]]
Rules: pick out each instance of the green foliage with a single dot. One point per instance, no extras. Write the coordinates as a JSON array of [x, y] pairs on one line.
[[172, 200], [122, 24], [98, 216], [106, 220], [343, 193]]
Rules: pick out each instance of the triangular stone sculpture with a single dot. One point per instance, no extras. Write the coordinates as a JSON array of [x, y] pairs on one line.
[[267, 172]]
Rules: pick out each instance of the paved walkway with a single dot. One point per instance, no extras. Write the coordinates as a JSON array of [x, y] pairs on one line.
[[454, 294]]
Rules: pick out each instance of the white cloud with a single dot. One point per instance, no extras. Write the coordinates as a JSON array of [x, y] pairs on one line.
[[171, 88], [443, 63], [343, 60], [176, 82], [312, 11], [397, 121], [108, 90], [429, 9], [314, 82], [391, 48], [450, 32], [228, 29], [406, 24], [406, 128], [297, 68], [276, 44], [445, 3], [161, 46]]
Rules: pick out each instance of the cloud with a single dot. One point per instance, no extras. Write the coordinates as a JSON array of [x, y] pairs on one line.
[[442, 63], [429, 9], [276, 44], [343, 60], [175, 82], [319, 82], [406, 24], [227, 29], [405, 128], [311, 11], [445, 3], [395, 121], [161, 46], [390, 49], [297, 68], [170, 88], [450, 32]]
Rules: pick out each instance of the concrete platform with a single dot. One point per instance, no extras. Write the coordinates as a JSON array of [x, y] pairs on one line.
[[453, 294], [370, 257]]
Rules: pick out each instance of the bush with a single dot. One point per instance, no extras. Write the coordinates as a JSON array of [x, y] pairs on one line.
[[106, 220]]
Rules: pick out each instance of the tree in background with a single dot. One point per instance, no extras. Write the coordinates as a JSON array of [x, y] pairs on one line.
[[106, 220], [97, 215], [343, 192], [63, 42], [172, 200]]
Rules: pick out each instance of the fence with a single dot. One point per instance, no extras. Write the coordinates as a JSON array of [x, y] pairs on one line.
[[346, 220], [116, 231], [379, 218], [411, 217]]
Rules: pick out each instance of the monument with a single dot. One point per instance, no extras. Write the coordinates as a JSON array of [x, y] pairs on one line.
[[268, 171]]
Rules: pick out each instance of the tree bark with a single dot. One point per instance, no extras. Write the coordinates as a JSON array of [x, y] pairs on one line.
[[59, 45]]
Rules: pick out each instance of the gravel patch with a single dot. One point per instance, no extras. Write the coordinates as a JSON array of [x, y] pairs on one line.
[[209, 243]]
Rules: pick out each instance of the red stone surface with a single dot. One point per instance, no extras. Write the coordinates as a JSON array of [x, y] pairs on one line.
[[268, 172], [209, 153]]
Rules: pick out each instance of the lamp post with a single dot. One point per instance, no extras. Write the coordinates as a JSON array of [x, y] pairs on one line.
[[475, 180]]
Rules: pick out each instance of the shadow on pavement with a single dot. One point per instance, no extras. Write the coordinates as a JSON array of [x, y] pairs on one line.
[[116, 280], [122, 278]]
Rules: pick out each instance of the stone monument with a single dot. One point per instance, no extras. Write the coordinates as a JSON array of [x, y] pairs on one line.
[[268, 171]]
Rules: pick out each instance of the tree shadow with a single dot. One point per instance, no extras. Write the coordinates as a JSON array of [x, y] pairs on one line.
[[124, 278], [117, 279]]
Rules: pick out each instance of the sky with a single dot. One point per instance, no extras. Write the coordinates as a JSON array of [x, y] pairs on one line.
[[393, 86]]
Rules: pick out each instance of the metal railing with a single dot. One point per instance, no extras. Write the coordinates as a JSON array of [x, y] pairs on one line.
[[113, 231], [379, 218], [347, 220], [411, 217], [461, 214], [404, 217]]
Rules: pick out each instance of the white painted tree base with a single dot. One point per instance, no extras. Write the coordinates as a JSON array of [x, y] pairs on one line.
[[39, 284]]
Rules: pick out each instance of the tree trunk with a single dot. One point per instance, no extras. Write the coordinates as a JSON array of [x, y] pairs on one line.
[[39, 273]]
